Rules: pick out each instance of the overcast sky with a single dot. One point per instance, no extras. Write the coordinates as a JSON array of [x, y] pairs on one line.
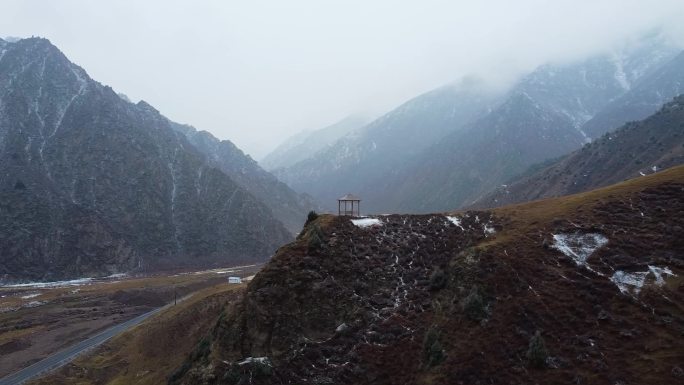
[[256, 72]]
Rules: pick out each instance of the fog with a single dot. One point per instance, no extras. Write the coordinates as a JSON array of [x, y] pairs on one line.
[[256, 72]]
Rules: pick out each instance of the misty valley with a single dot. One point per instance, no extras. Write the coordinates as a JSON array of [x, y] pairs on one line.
[[482, 231]]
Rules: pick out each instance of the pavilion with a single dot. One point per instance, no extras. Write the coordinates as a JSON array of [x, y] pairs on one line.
[[349, 205]]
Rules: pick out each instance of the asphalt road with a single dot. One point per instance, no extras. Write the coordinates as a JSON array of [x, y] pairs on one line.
[[65, 356]]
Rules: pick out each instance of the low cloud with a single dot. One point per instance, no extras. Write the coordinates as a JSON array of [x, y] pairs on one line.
[[256, 72]]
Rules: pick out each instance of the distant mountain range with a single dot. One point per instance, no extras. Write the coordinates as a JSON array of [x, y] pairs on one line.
[[636, 149], [91, 184], [450, 147], [307, 143], [367, 159]]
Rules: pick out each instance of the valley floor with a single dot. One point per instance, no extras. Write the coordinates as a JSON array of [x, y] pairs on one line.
[[37, 320]]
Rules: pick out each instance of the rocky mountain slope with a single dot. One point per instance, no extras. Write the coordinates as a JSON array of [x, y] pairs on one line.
[[582, 289], [287, 206], [542, 116], [634, 150], [91, 184], [307, 143]]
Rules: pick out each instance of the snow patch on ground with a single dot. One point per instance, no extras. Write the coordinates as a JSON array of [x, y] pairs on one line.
[[658, 273], [456, 221], [631, 283], [366, 222], [73, 282], [578, 246], [488, 230], [34, 304], [32, 295], [341, 328], [259, 360], [224, 271]]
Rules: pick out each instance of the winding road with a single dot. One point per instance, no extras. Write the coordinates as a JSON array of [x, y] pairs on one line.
[[65, 356]]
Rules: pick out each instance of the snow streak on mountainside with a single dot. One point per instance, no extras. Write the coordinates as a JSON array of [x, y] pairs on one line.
[[91, 184], [645, 97], [634, 150], [545, 121]]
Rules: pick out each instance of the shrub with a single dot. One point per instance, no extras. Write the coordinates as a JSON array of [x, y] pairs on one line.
[[473, 305], [315, 238], [232, 376], [262, 369], [433, 353], [311, 217], [438, 280], [202, 350], [536, 352], [246, 373], [179, 373]]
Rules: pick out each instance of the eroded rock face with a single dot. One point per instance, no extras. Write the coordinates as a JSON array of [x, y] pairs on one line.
[[91, 184]]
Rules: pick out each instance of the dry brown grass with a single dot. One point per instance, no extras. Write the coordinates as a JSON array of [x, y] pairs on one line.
[[524, 217], [19, 333], [148, 353]]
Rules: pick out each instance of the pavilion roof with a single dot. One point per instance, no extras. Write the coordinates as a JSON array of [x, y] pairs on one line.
[[349, 197]]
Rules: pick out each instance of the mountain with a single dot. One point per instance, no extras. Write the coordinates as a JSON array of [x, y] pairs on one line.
[[449, 147], [634, 150], [580, 289], [307, 143], [361, 161], [91, 184], [287, 206], [643, 99], [543, 117]]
